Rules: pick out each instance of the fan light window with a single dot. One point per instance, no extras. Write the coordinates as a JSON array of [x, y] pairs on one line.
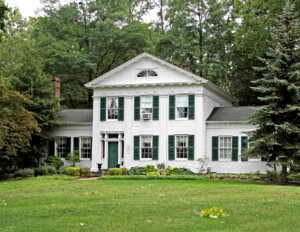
[[147, 73]]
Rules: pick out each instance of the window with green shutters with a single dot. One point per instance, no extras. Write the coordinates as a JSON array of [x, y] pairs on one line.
[[235, 148], [171, 142], [191, 112], [136, 147], [121, 109], [155, 108], [102, 108], [137, 108], [244, 146], [172, 107], [215, 148], [76, 144]]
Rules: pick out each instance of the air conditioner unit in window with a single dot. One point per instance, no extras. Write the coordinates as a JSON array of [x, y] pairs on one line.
[[146, 116]]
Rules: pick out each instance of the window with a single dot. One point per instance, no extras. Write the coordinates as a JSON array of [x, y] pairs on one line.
[[147, 73], [146, 147], [225, 147], [181, 147], [112, 108], [146, 105], [85, 148], [182, 106], [61, 147]]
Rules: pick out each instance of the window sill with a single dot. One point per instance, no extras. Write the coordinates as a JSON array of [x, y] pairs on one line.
[[145, 160], [181, 119], [84, 159]]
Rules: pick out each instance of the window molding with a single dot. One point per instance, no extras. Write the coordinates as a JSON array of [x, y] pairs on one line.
[[115, 109], [184, 148], [90, 148], [142, 138], [186, 110], [227, 148]]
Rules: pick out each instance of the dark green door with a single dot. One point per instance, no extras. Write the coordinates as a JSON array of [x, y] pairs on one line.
[[112, 154]]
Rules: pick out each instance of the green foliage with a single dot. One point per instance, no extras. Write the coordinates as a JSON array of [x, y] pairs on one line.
[[84, 172], [155, 173], [148, 168], [124, 171], [272, 176], [115, 172], [183, 171], [72, 171], [213, 212], [169, 171], [73, 158], [62, 170], [294, 177], [24, 173], [3, 16], [54, 161], [51, 170], [135, 171], [41, 171]]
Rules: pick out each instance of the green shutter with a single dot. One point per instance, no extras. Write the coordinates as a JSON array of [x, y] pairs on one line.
[[215, 148], [102, 108], [121, 109], [51, 148], [171, 147], [136, 149], [191, 147], [244, 146], [171, 107], [191, 112], [76, 143], [155, 107], [91, 148], [235, 148], [68, 146], [155, 143], [137, 108]]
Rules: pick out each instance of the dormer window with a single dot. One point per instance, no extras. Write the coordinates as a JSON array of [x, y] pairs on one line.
[[147, 73]]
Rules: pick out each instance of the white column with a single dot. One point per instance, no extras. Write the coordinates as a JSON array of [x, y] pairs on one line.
[[119, 148], [163, 136], [105, 163], [128, 140], [96, 151]]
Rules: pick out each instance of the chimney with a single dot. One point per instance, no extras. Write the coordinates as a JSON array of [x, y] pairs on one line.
[[56, 80], [186, 66]]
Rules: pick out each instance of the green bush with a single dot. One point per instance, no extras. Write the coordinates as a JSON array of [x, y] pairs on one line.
[[148, 168], [62, 170], [24, 173], [183, 171], [244, 176], [72, 171], [135, 171], [51, 170], [84, 172], [115, 172], [294, 177], [150, 177], [41, 171], [255, 177], [73, 158], [124, 171], [169, 171], [153, 173], [54, 161], [272, 176]]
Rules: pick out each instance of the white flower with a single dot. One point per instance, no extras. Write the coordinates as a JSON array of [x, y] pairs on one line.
[[82, 224]]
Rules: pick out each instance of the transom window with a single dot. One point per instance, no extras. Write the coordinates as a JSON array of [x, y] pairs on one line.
[[225, 147], [181, 146], [147, 73], [85, 147], [182, 106], [146, 105], [61, 147], [146, 147], [112, 108]]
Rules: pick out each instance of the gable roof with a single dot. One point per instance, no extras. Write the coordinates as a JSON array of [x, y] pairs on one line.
[[232, 114], [94, 82], [76, 116]]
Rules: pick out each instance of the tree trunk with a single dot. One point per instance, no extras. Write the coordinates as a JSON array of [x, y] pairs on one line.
[[284, 174]]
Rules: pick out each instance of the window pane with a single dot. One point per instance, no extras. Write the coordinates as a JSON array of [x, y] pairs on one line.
[[182, 101], [85, 148], [146, 147]]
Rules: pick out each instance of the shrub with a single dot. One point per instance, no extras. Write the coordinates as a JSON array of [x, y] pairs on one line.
[[294, 177], [54, 161], [124, 171], [84, 172], [183, 171], [135, 171], [41, 171], [153, 173], [115, 172], [244, 177], [73, 158], [51, 170], [62, 171], [272, 176], [169, 171], [148, 168], [255, 177], [72, 171], [24, 173]]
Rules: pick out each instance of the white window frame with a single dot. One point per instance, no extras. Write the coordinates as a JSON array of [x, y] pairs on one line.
[[80, 148], [187, 147], [225, 147], [176, 102], [141, 147], [141, 108], [56, 145], [147, 70], [107, 108]]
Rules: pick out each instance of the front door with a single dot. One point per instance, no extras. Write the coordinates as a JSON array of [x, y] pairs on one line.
[[112, 154]]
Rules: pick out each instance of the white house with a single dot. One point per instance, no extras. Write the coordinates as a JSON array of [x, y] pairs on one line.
[[148, 111]]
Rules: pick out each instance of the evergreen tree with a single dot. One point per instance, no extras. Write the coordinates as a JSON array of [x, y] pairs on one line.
[[277, 138]]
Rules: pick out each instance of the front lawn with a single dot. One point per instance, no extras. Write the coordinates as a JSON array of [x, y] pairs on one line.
[[61, 204]]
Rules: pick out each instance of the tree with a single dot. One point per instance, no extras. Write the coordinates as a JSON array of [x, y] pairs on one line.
[[3, 15], [277, 138]]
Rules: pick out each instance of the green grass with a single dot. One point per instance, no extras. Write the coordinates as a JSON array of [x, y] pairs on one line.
[[61, 204]]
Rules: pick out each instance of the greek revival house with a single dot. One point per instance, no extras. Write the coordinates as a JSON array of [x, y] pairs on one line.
[[148, 111]]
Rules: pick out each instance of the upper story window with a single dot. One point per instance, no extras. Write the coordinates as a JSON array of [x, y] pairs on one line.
[[61, 147], [182, 105], [146, 106], [147, 73], [112, 108]]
